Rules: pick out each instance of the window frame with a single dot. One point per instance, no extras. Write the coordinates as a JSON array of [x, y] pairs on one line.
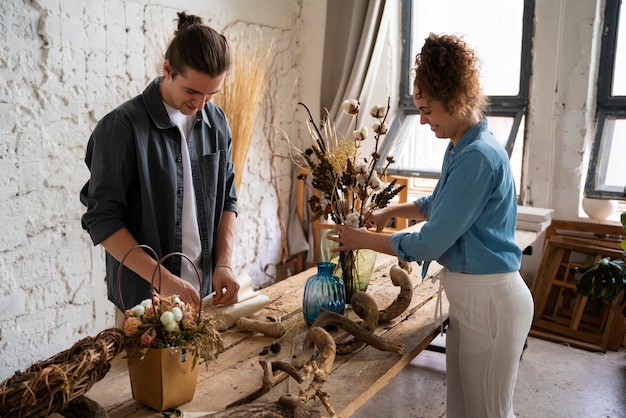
[[507, 106], [607, 105]]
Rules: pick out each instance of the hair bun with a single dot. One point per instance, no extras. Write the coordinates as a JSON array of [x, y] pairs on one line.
[[185, 21]]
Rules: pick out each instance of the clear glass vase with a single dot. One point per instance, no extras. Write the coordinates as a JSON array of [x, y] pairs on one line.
[[354, 267], [323, 290]]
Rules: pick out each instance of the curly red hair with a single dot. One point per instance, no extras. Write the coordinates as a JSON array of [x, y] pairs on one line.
[[447, 69]]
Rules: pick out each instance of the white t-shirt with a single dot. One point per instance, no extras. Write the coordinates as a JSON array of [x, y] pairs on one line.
[[192, 247]]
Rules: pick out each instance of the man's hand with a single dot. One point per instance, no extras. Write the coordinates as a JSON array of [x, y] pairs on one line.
[[172, 285], [225, 285]]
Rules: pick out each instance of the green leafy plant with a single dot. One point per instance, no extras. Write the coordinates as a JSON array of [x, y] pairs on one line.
[[606, 278]]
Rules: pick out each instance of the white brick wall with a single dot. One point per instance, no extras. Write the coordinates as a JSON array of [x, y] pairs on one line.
[[63, 65]]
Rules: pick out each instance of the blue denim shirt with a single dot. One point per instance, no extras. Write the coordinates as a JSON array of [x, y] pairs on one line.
[[136, 182], [471, 214]]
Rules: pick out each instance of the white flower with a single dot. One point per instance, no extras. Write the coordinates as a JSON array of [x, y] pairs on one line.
[[146, 303], [381, 128], [172, 326], [139, 310], [378, 111], [351, 107], [361, 178], [360, 168], [178, 313], [352, 220], [361, 134], [167, 317], [375, 182]]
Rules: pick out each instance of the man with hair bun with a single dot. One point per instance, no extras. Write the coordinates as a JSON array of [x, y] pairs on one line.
[[469, 229], [162, 176]]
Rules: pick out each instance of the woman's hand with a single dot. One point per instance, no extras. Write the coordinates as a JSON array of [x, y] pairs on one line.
[[357, 239], [379, 219], [348, 238]]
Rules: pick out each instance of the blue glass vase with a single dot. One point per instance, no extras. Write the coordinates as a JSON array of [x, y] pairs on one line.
[[324, 290]]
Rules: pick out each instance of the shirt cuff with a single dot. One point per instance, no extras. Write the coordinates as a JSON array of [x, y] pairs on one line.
[[396, 246]]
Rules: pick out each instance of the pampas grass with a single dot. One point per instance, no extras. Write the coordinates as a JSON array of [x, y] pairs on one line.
[[242, 93]]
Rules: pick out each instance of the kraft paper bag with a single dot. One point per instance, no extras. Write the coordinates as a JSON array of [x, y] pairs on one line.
[[164, 378]]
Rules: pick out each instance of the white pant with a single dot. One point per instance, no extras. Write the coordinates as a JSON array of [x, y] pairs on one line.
[[490, 316]]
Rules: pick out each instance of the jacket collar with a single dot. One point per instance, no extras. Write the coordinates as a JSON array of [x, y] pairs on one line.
[[156, 110]]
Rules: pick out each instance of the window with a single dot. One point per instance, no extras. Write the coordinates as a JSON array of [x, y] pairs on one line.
[[606, 176], [501, 34]]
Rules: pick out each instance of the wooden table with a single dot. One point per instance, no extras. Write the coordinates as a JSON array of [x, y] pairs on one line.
[[356, 377]]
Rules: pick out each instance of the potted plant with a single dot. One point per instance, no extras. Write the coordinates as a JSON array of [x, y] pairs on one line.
[[606, 278]]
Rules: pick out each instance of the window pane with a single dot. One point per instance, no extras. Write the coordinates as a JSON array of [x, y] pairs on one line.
[[619, 73], [501, 127], [417, 149], [611, 168], [492, 27]]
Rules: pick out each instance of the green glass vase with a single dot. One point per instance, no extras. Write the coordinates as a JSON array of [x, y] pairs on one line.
[[354, 267]]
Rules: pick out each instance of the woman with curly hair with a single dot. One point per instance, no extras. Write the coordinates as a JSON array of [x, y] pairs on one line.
[[469, 229]]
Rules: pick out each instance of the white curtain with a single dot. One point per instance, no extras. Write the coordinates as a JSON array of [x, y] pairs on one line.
[[351, 43], [353, 29]]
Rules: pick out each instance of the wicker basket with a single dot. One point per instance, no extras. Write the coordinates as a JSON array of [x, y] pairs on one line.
[[48, 386]]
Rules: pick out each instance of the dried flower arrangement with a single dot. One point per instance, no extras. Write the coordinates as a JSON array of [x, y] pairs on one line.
[[347, 184], [167, 321]]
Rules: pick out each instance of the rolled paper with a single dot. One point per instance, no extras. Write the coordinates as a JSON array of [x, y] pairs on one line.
[[249, 302]]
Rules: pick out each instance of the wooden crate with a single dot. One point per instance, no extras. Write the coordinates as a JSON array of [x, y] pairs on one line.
[[561, 314]]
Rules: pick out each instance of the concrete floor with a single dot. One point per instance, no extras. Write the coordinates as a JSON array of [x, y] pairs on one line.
[[554, 380]]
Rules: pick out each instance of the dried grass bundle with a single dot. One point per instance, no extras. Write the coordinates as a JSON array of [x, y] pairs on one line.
[[242, 91]]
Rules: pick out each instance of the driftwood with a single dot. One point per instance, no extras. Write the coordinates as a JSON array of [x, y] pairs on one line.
[[399, 277], [405, 265], [326, 318], [286, 407], [365, 307], [270, 329], [319, 363], [319, 369]]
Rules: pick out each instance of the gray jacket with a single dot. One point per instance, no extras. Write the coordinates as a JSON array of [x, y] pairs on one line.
[[137, 182]]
